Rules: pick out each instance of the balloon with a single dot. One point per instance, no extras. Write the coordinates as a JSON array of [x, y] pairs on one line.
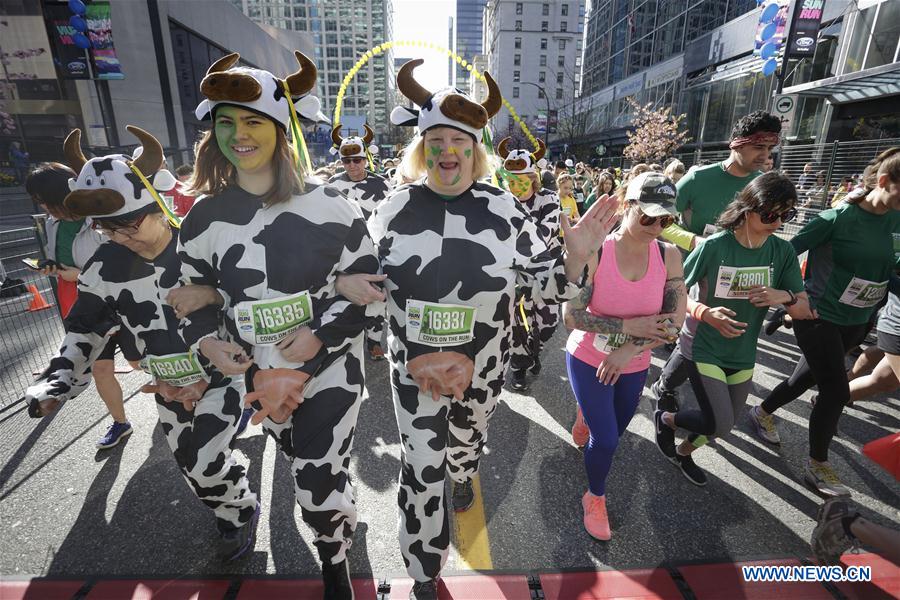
[[76, 6], [81, 41], [769, 67], [769, 12], [77, 23], [768, 50], [768, 32]]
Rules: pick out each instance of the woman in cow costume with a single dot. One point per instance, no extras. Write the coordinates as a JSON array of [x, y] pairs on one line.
[[272, 244], [534, 322], [453, 250], [367, 189], [120, 292]]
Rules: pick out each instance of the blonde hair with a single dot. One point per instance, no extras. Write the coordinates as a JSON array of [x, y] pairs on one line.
[[676, 166], [213, 172], [412, 167]]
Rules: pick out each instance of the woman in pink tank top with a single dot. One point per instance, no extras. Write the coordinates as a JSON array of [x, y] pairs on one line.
[[634, 301]]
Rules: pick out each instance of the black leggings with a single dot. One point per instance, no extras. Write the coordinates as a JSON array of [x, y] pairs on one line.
[[824, 346]]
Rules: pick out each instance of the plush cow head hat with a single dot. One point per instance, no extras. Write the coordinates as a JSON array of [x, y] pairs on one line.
[[107, 186], [519, 160], [448, 107], [353, 146], [260, 91]]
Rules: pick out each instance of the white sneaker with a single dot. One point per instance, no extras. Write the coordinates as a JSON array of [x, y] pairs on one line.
[[764, 425]]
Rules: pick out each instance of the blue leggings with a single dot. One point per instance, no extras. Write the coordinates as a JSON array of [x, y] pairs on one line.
[[607, 410]]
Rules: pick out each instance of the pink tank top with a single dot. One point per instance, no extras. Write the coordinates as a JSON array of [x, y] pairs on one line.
[[615, 296]]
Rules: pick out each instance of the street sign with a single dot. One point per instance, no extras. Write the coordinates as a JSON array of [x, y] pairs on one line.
[[786, 109]]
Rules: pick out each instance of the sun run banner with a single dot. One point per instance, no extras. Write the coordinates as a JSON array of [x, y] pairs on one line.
[[99, 22], [71, 61], [805, 28]]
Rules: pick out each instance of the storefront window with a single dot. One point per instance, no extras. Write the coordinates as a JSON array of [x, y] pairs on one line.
[[856, 54], [720, 110]]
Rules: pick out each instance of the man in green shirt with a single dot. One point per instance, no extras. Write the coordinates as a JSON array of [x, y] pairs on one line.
[[705, 191]]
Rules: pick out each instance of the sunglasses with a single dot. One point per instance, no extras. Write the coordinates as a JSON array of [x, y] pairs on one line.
[[647, 221], [354, 160], [126, 231], [770, 216]]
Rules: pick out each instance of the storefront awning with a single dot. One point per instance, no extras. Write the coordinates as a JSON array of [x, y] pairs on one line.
[[853, 87]]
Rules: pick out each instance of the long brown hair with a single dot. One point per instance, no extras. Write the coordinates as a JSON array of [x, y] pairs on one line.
[[767, 192], [887, 163], [213, 172]]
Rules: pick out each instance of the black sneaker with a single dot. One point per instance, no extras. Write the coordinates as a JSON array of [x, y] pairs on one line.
[[237, 542], [665, 400], [519, 384], [690, 470], [665, 438], [536, 367], [424, 590], [463, 496], [337, 581], [775, 321]]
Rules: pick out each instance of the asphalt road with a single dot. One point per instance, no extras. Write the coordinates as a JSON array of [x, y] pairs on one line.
[[69, 510]]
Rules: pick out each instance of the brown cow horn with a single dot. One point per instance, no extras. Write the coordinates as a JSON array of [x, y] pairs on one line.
[[151, 157], [408, 85], [502, 150], [72, 151], [336, 135], [539, 154], [224, 63], [304, 79], [494, 100], [370, 135]]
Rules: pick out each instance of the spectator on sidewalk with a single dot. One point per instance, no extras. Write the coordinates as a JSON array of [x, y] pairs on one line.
[[182, 201], [20, 160]]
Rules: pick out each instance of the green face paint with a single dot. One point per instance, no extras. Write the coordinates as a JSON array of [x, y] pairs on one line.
[[236, 127], [468, 153], [430, 163], [435, 150], [456, 180]]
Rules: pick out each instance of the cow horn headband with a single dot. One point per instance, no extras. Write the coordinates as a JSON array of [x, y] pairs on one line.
[[448, 107], [354, 146], [521, 160]]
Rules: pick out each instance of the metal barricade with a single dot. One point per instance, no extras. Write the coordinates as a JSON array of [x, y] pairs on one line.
[[28, 338]]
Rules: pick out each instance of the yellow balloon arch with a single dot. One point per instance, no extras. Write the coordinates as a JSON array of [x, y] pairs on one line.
[[369, 54]]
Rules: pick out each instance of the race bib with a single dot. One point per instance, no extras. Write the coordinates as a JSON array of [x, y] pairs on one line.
[[439, 325], [709, 230], [267, 322], [863, 294], [607, 343], [175, 369], [735, 282]]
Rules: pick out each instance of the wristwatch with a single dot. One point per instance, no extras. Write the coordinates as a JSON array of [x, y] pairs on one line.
[[793, 299]]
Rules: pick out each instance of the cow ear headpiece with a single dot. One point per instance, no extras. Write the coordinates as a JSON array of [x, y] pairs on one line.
[[521, 160], [353, 146], [260, 91], [118, 185], [448, 107]]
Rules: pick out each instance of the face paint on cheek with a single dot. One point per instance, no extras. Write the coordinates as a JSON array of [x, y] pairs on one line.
[[456, 179], [435, 150], [224, 135], [468, 153]]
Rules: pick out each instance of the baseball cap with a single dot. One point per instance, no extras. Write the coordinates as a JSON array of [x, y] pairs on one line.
[[654, 193]]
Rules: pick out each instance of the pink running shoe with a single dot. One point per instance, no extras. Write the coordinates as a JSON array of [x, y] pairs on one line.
[[596, 521], [580, 432]]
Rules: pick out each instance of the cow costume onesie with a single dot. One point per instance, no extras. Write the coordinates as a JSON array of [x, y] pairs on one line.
[[275, 265], [368, 193], [534, 321], [452, 267], [122, 293]]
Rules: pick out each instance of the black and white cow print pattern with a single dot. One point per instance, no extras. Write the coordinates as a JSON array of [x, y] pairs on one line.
[[367, 193], [473, 250], [535, 321], [122, 294], [249, 251]]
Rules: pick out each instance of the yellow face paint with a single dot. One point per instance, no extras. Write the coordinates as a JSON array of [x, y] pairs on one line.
[[246, 139], [453, 150]]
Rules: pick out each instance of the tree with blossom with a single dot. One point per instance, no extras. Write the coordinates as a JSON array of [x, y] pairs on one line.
[[656, 134]]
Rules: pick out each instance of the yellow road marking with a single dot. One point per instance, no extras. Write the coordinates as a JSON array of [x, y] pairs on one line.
[[472, 542]]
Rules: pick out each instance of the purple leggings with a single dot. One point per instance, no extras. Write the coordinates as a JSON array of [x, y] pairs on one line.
[[607, 410]]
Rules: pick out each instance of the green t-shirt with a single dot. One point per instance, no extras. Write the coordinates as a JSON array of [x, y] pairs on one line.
[[704, 193], [592, 197], [724, 270], [852, 253], [65, 237]]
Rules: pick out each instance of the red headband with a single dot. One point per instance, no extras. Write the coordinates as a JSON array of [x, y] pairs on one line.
[[760, 137]]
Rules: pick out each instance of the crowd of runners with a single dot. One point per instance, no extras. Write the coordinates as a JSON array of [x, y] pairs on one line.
[[260, 293]]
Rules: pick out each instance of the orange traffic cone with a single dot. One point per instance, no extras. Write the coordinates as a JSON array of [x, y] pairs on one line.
[[885, 452], [37, 301]]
